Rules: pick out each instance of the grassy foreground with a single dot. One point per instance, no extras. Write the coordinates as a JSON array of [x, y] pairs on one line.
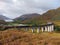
[[16, 37]]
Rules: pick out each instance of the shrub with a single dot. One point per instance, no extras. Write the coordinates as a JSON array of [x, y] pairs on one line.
[[57, 28]]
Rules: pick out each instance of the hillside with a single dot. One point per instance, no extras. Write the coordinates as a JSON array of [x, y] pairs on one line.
[[27, 18], [53, 14], [50, 15], [2, 22], [16, 37], [3, 17]]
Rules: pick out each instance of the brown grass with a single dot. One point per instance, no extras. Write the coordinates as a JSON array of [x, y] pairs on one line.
[[16, 37], [57, 23]]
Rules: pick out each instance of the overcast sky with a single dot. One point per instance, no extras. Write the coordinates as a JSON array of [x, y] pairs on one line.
[[15, 8]]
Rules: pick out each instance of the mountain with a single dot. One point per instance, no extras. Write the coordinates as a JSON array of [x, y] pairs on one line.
[[6, 19], [27, 17], [3, 17], [53, 14], [49, 16]]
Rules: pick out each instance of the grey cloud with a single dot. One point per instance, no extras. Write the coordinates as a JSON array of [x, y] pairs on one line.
[[18, 7]]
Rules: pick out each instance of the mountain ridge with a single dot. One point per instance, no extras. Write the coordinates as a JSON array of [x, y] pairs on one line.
[[49, 16], [2, 17]]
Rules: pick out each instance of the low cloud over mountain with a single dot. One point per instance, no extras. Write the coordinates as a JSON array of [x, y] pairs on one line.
[[15, 8]]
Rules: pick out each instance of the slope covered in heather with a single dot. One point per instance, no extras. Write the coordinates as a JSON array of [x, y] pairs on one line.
[[50, 15]]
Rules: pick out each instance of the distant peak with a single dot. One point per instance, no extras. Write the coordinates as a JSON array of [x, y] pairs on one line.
[[58, 8]]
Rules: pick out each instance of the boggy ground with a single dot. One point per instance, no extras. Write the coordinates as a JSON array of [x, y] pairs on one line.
[[17, 37]]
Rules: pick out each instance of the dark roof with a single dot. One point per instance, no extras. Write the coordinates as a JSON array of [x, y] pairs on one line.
[[29, 26]]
